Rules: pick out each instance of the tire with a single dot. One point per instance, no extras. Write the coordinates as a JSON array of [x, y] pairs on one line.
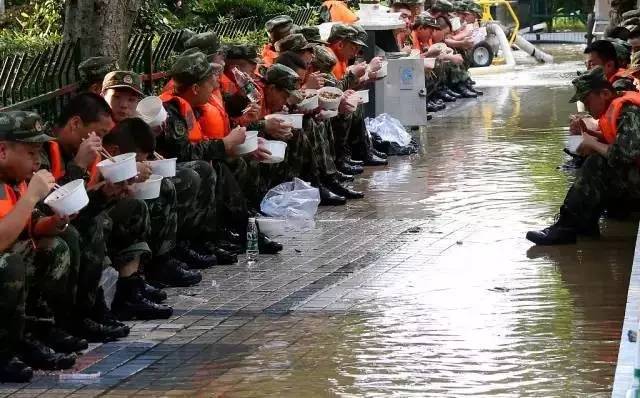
[[482, 54]]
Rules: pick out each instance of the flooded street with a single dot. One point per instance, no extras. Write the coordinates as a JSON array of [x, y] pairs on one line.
[[426, 288], [480, 313]]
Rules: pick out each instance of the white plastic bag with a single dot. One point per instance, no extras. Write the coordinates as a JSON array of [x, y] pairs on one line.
[[388, 129], [291, 200], [108, 282]]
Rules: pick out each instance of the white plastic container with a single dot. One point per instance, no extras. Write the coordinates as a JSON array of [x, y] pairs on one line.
[[311, 103], [151, 110], [250, 143], [271, 227], [364, 96], [573, 143], [164, 167], [429, 63], [149, 189], [294, 119], [383, 70], [68, 199], [326, 115], [330, 104], [278, 149], [122, 169]]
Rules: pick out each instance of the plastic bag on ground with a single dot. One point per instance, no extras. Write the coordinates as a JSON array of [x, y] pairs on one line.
[[291, 200], [388, 129], [108, 282]]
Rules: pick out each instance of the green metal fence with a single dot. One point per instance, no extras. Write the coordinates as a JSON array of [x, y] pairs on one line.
[[44, 82]]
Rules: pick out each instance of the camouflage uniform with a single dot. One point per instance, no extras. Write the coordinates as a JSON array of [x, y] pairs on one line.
[[610, 180], [12, 302], [93, 70]]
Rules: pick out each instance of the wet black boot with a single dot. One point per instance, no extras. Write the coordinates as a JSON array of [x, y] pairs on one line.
[[61, 341], [432, 107], [154, 294], [223, 257], [13, 370], [268, 246], [130, 303], [170, 272], [346, 168], [37, 355], [339, 189], [193, 258], [328, 198], [465, 92], [342, 177], [373, 160], [354, 162]]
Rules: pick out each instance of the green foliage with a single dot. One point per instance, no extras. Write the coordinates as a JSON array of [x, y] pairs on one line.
[[258, 38], [12, 42], [211, 10], [37, 26]]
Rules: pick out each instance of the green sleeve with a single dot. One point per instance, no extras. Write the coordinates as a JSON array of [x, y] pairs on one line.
[[626, 149]]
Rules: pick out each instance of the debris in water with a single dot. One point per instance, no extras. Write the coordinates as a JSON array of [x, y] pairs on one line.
[[298, 250], [632, 335], [499, 289], [414, 230], [79, 376], [459, 242]]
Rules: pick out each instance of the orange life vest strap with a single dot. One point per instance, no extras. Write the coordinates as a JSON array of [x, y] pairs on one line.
[[195, 131], [609, 121]]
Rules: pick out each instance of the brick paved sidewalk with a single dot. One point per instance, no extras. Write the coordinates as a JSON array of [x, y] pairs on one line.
[[235, 310]]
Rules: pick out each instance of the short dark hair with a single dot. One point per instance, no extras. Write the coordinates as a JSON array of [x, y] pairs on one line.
[[90, 107], [132, 135], [605, 50], [292, 60], [444, 22], [634, 34], [617, 32]]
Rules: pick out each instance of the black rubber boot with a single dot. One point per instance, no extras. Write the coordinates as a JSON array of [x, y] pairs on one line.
[[13, 370], [130, 303], [328, 198], [61, 341], [268, 246], [194, 259], [171, 272], [37, 355]]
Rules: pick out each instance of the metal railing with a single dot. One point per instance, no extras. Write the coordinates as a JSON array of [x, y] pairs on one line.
[[44, 82]]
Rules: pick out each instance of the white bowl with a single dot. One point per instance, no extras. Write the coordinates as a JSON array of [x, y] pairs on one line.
[[68, 199], [311, 103], [122, 169], [573, 142], [294, 119], [250, 143], [330, 104], [277, 149], [271, 227], [429, 63], [383, 71], [364, 96], [149, 189], [151, 110], [164, 167], [326, 115]]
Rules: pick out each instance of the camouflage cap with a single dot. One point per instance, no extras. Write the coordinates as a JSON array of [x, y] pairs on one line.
[[281, 23], [475, 8], [624, 85], [324, 60], [21, 126], [123, 79], [424, 21], [634, 65], [207, 42], [192, 68], [623, 49], [593, 79], [342, 31], [312, 34], [295, 42], [245, 52], [283, 77], [362, 34], [95, 69], [442, 6]]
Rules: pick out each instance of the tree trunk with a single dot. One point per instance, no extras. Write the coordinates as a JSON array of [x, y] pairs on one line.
[[101, 27]]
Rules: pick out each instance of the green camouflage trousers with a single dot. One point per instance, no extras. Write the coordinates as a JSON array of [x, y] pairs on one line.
[[12, 302], [597, 186], [163, 218]]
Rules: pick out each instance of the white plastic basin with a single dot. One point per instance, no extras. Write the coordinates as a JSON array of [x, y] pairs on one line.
[[151, 110], [164, 167], [310, 103], [149, 189], [250, 143], [278, 149], [122, 169], [271, 227], [364, 96], [68, 199]]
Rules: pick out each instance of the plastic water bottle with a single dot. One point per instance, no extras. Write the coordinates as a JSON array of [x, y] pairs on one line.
[[252, 242], [247, 85]]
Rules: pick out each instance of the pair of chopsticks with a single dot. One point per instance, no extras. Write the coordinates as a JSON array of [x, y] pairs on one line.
[[158, 156]]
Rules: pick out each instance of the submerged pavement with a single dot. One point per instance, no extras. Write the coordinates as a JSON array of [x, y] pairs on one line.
[[425, 288]]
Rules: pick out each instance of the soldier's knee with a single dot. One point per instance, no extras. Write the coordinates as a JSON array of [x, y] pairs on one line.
[[187, 180], [12, 269]]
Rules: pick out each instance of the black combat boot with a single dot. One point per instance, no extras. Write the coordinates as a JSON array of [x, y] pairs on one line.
[[13, 370], [37, 355], [465, 92], [353, 162], [432, 107], [268, 246], [444, 96], [373, 160], [129, 302], [454, 92], [339, 189], [342, 177], [154, 294], [349, 169], [170, 272], [193, 258], [379, 154], [328, 198], [61, 341], [223, 257]]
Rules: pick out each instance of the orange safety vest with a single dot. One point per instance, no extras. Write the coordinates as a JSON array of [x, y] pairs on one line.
[[9, 198], [340, 69], [57, 165], [227, 85], [195, 130], [269, 55], [617, 76], [214, 121], [609, 121], [340, 12]]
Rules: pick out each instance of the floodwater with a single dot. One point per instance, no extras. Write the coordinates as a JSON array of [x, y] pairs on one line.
[[490, 316]]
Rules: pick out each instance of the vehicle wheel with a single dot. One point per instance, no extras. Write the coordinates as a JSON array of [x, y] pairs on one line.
[[482, 54]]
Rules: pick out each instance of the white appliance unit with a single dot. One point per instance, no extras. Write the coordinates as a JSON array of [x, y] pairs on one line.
[[399, 94]]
